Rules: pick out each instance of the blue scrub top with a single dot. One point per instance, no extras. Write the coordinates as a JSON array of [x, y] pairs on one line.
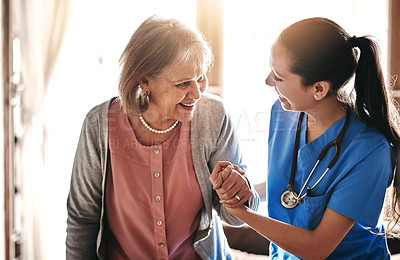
[[355, 186]]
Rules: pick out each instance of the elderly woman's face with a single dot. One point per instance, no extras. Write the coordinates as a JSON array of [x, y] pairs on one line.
[[174, 96]]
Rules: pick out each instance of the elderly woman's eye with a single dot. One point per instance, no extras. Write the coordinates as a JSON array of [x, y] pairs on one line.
[[202, 77], [183, 85]]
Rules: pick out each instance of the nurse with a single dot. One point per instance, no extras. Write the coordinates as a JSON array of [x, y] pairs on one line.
[[331, 156]]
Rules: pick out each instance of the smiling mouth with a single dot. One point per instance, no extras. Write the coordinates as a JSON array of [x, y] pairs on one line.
[[187, 105], [279, 94]]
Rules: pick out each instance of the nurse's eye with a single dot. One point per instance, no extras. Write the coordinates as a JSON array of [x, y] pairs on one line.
[[277, 79], [183, 85]]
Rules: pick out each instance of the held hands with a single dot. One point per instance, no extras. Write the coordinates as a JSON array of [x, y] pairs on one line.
[[230, 184]]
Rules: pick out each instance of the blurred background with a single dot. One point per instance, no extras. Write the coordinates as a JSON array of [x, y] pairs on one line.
[[60, 58]]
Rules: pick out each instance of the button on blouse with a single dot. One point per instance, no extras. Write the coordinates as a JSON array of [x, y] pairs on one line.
[[151, 191]]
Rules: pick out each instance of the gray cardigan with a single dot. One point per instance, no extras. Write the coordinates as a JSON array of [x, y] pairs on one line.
[[212, 140]]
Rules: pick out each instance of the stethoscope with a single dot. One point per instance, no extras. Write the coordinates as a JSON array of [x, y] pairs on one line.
[[289, 198]]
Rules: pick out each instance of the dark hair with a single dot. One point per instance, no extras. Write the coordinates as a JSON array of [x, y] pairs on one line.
[[321, 50]]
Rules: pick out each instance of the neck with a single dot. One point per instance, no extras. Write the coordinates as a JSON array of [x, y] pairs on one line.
[[147, 137], [156, 120], [323, 116]]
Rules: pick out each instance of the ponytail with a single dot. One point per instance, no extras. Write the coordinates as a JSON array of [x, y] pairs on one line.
[[373, 106], [392, 210]]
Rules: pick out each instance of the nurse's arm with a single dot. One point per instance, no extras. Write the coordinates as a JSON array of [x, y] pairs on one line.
[[307, 244]]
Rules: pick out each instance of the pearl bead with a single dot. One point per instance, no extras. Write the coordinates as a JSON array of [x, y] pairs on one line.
[[155, 130]]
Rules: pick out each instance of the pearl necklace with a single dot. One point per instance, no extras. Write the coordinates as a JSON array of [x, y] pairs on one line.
[[158, 131]]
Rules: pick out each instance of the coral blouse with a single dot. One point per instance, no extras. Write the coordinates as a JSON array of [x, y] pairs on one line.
[[152, 197]]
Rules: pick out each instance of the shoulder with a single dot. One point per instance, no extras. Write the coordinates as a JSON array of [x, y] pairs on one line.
[[95, 124], [366, 141], [364, 133], [210, 108], [210, 117], [99, 113], [210, 102]]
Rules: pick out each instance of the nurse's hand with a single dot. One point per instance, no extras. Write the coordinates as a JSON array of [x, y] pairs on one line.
[[230, 184], [237, 211]]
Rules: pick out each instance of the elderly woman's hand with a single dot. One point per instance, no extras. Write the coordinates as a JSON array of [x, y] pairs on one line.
[[230, 184]]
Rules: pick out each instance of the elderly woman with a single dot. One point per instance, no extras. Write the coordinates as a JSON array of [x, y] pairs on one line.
[[140, 184]]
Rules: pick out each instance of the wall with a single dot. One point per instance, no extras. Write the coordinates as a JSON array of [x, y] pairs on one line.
[[2, 221]]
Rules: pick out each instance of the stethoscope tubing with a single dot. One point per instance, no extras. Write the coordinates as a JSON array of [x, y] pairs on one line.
[[335, 143]]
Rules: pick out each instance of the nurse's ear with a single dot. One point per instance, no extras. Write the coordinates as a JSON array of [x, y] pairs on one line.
[[321, 89]]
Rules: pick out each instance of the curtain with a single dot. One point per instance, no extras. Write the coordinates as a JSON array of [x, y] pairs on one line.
[[40, 26]]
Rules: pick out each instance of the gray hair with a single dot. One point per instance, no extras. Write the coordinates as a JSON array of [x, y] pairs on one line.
[[157, 47]]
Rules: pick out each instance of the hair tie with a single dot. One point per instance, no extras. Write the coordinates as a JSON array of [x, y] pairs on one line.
[[353, 41]]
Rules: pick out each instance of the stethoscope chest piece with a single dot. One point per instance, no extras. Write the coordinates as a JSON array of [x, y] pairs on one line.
[[289, 199]]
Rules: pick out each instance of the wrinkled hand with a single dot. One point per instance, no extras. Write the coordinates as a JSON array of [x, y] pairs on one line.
[[230, 184]]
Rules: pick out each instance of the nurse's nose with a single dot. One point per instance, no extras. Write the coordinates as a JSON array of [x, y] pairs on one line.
[[270, 80]]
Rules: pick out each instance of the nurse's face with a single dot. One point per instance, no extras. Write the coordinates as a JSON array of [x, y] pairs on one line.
[[293, 95]]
